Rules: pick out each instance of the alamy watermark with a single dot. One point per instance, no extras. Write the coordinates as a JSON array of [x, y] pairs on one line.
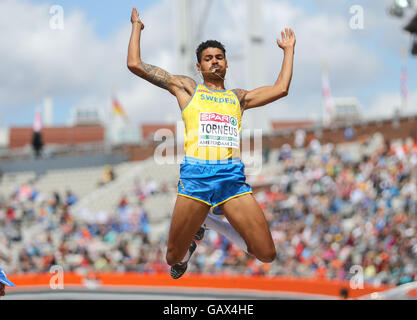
[[247, 145], [357, 21], [56, 282], [356, 282], [56, 22]]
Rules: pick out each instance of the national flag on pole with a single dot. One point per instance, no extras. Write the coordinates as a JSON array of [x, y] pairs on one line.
[[118, 109], [404, 85], [37, 122], [329, 107], [37, 141]]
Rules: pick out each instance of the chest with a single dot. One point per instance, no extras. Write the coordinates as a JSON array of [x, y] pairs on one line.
[[204, 101]]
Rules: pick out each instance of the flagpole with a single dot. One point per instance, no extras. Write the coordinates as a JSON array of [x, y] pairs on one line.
[[323, 70], [328, 105], [404, 80], [113, 97]]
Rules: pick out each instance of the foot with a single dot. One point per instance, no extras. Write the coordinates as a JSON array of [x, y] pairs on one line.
[[200, 234], [179, 269]]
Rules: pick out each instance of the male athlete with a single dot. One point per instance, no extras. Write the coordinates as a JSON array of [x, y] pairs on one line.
[[212, 174]]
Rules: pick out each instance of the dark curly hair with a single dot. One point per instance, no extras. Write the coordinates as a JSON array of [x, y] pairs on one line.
[[209, 44]]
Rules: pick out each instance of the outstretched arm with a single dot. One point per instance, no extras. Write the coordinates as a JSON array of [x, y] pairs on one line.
[[264, 95], [177, 85]]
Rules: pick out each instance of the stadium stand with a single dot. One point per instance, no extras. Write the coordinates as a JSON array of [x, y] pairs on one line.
[[330, 207]]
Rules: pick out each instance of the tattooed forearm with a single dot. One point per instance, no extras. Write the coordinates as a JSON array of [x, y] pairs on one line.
[[155, 75], [173, 83]]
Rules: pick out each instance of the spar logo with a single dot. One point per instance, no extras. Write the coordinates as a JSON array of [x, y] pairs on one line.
[[216, 117], [214, 126]]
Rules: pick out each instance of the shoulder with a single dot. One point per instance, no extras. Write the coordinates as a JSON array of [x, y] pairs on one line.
[[187, 83], [187, 80], [241, 94]]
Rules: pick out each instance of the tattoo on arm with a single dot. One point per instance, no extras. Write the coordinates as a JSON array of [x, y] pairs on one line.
[[156, 75], [165, 80]]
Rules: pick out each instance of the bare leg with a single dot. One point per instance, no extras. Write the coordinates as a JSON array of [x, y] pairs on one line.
[[187, 218], [246, 216]]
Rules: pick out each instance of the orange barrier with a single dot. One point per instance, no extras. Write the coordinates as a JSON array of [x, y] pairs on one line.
[[272, 285]]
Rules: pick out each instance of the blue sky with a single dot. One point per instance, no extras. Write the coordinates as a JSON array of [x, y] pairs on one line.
[[78, 67], [106, 15]]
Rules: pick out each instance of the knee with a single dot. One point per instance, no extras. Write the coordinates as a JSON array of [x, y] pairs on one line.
[[172, 257], [268, 256], [265, 254]]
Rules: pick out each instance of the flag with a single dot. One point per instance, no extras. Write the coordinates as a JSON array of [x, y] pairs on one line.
[[37, 122], [37, 141], [404, 86], [329, 107], [118, 109]]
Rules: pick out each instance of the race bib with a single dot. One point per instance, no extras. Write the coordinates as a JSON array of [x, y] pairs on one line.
[[218, 130]]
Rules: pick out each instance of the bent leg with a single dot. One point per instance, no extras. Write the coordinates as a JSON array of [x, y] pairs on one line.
[[188, 216], [246, 216]]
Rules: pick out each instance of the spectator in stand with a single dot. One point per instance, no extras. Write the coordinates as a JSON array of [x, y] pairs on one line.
[[326, 213], [349, 133], [266, 151], [71, 198], [108, 176], [299, 139]]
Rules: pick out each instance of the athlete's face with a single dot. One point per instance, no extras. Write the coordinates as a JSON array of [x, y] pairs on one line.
[[213, 62]]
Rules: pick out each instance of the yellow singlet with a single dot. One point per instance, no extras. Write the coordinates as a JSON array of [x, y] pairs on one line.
[[212, 122]]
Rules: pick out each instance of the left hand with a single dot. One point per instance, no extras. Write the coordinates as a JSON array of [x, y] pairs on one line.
[[135, 18], [288, 40]]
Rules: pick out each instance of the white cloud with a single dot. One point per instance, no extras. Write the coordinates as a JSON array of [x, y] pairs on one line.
[[386, 105], [141, 100], [77, 63], [320, 37], [39, 59]]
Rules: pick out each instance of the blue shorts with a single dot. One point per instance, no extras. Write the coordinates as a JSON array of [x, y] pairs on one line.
[[212, 183]]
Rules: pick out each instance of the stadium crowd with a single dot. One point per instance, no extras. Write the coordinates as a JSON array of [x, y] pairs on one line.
[[332, 216], [329, 215]]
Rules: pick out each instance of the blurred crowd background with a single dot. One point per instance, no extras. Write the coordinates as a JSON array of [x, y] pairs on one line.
[[329, 209]]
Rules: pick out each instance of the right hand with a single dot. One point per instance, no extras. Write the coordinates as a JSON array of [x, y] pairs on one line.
[[135, 18], [288, 39]]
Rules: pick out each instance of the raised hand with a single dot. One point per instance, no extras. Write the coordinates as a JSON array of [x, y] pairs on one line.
[[135, 18], [288, 39]]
